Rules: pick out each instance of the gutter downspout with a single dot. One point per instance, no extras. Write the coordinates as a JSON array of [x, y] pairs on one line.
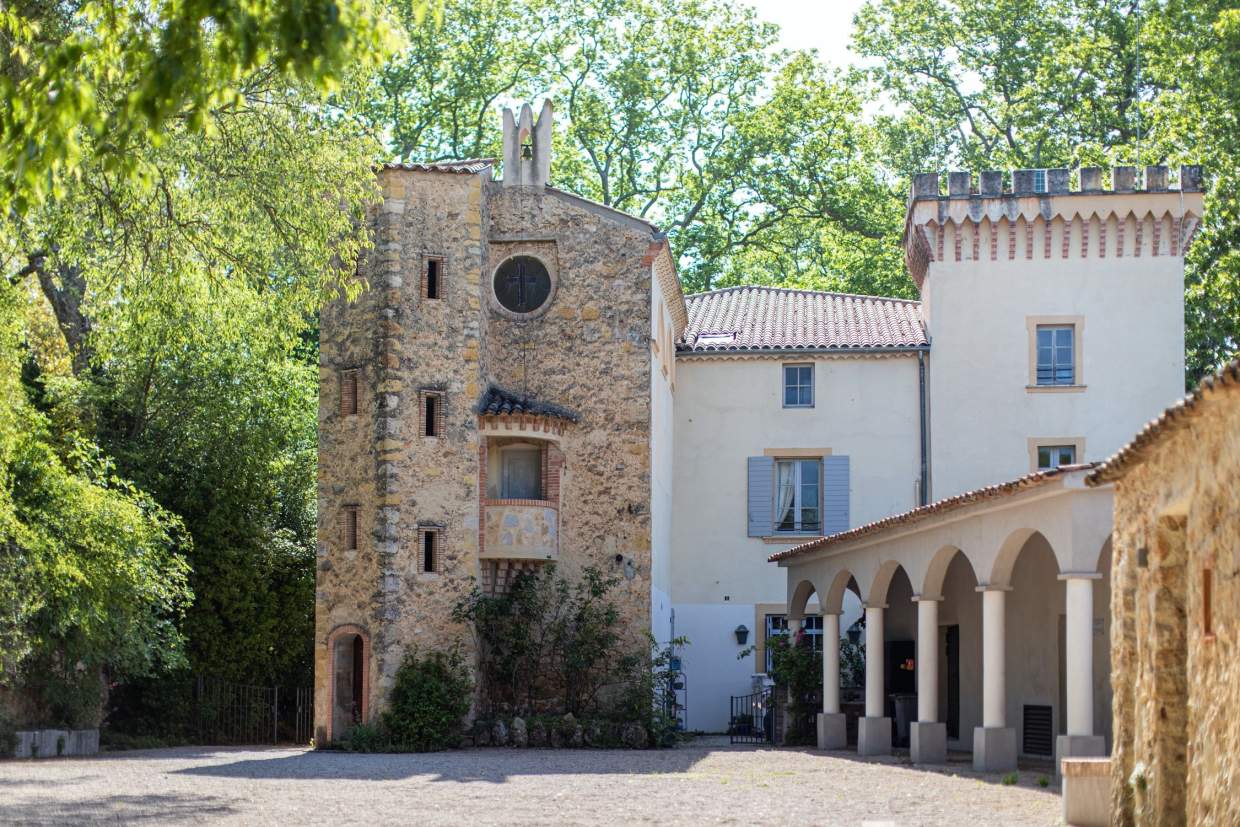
[[924, 492]]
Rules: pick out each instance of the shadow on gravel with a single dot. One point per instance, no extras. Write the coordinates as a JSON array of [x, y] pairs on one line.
[[494, 765], [123, 809]]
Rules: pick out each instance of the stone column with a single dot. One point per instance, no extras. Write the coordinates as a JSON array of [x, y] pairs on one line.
[[832, 730], [874, 730], [928, 737], [994, 742], [1080, 741]]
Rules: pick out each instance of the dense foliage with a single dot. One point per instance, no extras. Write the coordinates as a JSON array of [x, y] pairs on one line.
[[428, 703]]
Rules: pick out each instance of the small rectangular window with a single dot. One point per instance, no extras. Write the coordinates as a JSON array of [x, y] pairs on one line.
[[348, 393], [798, 386], [1056, 355], [1053, 456], [348, 519], [521, 473], [1207, 602], [434, 278], [776, 625], [432, 413], [428, 561]]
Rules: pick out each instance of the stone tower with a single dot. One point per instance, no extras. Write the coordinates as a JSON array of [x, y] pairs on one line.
[[486, 408], [1041, 300]]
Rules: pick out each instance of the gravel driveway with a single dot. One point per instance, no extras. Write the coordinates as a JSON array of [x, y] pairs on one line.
[[702, 782]]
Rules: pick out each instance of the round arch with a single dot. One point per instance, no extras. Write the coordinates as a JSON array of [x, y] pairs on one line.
[[1010, 550], [882, 582], [352, 642], [936, 573], [833, 600], [800, 598]]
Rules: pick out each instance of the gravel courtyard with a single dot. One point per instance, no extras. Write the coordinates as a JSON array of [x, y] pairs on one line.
[[705, 781]]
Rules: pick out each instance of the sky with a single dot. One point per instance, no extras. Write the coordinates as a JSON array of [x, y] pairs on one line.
[[825, 25]]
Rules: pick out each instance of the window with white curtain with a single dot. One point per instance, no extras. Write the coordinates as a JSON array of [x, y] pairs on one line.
[[521, 473], [798, 495]]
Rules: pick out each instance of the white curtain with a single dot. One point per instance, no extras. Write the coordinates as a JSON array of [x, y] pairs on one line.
[[785, 492], [522, 474]]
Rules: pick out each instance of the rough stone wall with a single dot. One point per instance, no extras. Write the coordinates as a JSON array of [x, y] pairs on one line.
[[1177, 689], [590, 353], [400, 479]]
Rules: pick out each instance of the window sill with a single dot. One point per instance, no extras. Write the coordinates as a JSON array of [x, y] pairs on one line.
[[798, 407], [790, 539], [1055, 388]]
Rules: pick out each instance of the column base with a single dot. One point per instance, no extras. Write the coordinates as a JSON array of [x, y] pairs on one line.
[[994, 749], [873, 736], [1078, 746], [928, 743], [832, 730]]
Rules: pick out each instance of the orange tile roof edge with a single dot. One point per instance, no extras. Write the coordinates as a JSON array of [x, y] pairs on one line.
[[923, 512], [1174, 417]]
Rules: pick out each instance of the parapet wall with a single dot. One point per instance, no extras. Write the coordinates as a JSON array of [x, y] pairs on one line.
[[1040, 214], [1058, 181]]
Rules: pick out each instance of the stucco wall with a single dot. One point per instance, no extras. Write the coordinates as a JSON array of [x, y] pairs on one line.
[[728, 410], [1178, 515], [1133, 314], [662, 426]]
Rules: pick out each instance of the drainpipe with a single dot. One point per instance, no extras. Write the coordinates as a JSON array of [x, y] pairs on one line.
[[924, 493]]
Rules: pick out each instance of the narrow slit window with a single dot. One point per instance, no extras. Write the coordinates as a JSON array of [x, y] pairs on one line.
[[1207, 602], [434, 278], [432, 414], [430, 551], [349, 527], [348, 393]]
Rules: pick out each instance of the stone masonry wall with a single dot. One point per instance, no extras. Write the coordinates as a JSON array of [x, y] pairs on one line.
[[590, 353], [1177, 684]]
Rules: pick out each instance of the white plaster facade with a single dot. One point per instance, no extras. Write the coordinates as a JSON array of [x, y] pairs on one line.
[[990, 270]]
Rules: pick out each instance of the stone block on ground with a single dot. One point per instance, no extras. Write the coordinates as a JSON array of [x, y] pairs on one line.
[[994, 749], [832, 730], [928, 743], [873, 736]]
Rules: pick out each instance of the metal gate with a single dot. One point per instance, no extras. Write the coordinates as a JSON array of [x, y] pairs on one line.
[[752, 719], [234, 713]]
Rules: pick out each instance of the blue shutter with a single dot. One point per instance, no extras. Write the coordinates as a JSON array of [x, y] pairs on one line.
[[761, 496], [834, 494]]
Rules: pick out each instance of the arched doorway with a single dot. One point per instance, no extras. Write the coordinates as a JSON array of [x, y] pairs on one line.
[[350, 653], [952, 580]]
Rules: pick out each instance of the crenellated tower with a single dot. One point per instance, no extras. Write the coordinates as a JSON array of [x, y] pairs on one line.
[[1055, 310]]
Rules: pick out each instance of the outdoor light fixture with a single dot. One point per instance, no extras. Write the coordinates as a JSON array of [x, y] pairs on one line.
[[742, 635]]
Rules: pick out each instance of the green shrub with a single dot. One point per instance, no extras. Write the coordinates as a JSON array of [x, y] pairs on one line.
[[428, 703], [1009, 779]]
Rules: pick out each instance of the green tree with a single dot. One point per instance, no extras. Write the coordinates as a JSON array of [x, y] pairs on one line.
[[756, 161], [1043, 83]]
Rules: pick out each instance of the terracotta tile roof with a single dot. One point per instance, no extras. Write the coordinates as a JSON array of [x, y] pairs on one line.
[[468, 166], [497, 401], [777, 318], [1170, 420], [923, 512]]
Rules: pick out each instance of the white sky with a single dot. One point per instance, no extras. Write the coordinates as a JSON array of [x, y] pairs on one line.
[[825, 25]]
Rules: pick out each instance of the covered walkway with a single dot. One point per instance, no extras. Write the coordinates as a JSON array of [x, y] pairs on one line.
[[986, 622]]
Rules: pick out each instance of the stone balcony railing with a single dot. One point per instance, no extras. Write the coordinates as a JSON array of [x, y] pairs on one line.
[[520, 530]]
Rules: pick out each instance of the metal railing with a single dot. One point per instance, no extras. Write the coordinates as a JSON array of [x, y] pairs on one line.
[[752, 718], [233, 713]]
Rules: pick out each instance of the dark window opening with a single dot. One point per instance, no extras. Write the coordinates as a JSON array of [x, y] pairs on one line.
[[522, 284], [1207, 602], [430, 415], [434, 271], [429, 550]]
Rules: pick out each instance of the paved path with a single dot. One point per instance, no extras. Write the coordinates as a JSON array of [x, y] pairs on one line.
[[704, 782]]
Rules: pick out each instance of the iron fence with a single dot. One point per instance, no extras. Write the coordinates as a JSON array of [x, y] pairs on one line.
[[233, 713]]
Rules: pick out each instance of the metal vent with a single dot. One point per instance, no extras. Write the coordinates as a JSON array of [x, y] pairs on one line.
[[1039, 736]]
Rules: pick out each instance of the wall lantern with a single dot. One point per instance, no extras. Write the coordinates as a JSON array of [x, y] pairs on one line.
[[742, 635]]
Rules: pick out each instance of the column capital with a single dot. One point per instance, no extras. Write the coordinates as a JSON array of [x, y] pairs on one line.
[[992, 587], [830, 614], [868, 605], [927, 598], [1081, 575]]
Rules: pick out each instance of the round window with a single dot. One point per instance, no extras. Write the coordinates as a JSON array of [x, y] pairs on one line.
[[522, 284]]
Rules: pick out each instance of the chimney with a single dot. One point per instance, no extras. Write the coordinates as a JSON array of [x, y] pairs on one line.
[[527, 147]]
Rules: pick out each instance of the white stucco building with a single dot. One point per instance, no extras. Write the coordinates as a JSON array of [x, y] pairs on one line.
[[932, 446]]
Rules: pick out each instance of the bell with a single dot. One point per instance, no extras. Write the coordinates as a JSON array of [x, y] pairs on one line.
[[527, 152]]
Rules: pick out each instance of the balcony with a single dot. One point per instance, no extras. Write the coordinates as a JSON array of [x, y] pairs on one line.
[[520, 530]]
